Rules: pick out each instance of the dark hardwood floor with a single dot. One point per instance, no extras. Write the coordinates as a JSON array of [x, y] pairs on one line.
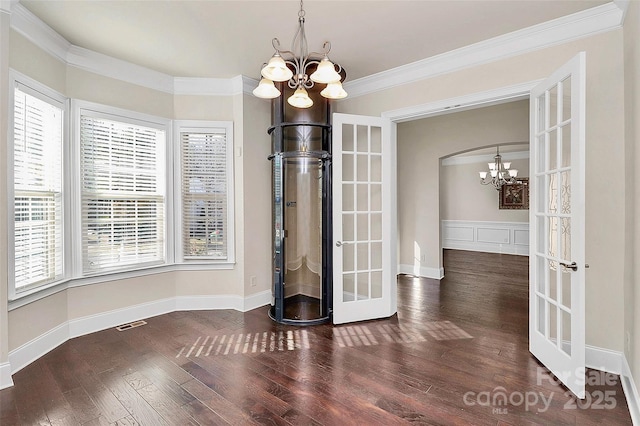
[[456, 354]]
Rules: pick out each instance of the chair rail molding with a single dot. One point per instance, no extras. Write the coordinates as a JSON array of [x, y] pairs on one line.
[[486, 236]]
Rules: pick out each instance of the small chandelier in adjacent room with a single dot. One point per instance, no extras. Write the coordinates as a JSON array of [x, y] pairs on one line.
[[285, 65], [500, 173]]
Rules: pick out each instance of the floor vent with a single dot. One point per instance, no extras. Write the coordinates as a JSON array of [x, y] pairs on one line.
[[134, 324]]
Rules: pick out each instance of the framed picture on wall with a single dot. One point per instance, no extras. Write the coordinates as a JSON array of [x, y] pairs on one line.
[[515, 196]]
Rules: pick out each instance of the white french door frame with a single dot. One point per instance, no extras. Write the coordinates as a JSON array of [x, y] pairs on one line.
[[458, 104], [371, 298]]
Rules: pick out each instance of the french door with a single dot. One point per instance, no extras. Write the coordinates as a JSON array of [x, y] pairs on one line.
[[557, 224], [364, 224]]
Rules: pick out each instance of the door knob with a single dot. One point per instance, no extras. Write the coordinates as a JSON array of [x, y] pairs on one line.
[[338, 243], [573, 266]]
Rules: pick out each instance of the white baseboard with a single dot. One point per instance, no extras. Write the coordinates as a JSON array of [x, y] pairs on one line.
[[205, 303], [5, 375], [616, 363], [421, 271], [34, 349], [603, 359], [631, 392], [104, 320], [39, 346], [192, 303], [257, 300]]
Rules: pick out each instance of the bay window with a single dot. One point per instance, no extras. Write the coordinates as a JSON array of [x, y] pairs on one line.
[[122, 192], [37, 226]]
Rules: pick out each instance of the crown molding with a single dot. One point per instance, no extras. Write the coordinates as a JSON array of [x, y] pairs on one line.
[[39, 33], [239, 84], [7, 5], [578, 25], [108, 66], [571, 27]]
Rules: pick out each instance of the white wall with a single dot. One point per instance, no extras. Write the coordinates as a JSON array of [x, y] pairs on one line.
[[632, 205], [462, 197]]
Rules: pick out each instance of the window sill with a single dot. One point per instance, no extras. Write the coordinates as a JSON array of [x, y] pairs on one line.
[[36, 294]]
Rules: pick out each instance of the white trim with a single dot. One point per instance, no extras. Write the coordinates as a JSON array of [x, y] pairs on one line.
[[226, 301], [421, 271], [457, 160], [213, 86], [256, 300], [578, 25], [43, 36], [615, 362], [180, 126], [487, 98], [5, 7], [28, 85], [5, 376], [630, 392], [96, 322], [476, 236], [203, 303], [39, 33], [557, 31], [39, 346], [603, 359], [118, 69]]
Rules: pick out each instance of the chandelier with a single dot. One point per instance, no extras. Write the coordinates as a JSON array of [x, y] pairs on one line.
[[285, 65], [501, 173]]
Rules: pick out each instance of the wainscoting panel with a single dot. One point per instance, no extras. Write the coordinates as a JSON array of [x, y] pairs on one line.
[[491, 237]]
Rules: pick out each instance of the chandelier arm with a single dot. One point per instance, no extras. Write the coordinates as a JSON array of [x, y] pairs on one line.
[[301, 60], [295, 64], [324, 52], [276, 45]]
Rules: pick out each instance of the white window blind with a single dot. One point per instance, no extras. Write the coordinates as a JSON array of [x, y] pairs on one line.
[[205, 199], [122, 194], [37, 190]]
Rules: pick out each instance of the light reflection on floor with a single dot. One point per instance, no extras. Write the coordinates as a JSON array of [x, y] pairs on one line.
[[346, 336]]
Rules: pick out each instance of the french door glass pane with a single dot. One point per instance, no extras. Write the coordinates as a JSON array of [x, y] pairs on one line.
[[566, 332], [566, 98], [553, 106]]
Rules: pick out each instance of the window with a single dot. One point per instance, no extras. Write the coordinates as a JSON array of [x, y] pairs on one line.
[[111, 198], [122, 192], [38, 127], [205, 192]]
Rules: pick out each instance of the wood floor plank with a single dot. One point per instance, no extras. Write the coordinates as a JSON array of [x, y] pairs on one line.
[[8, 408], [203, 414], [453, 347], [138, 408], [216, 403], [83, 407]]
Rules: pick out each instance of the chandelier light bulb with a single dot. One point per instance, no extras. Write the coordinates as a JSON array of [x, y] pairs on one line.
[[513, 173], [300, 98], [483, 175], [506, 165], [334, 91], [276, 69], [325, 73], [266, 90]]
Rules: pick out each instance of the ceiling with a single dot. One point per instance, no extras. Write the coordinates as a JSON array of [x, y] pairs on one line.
[[223, 39]]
